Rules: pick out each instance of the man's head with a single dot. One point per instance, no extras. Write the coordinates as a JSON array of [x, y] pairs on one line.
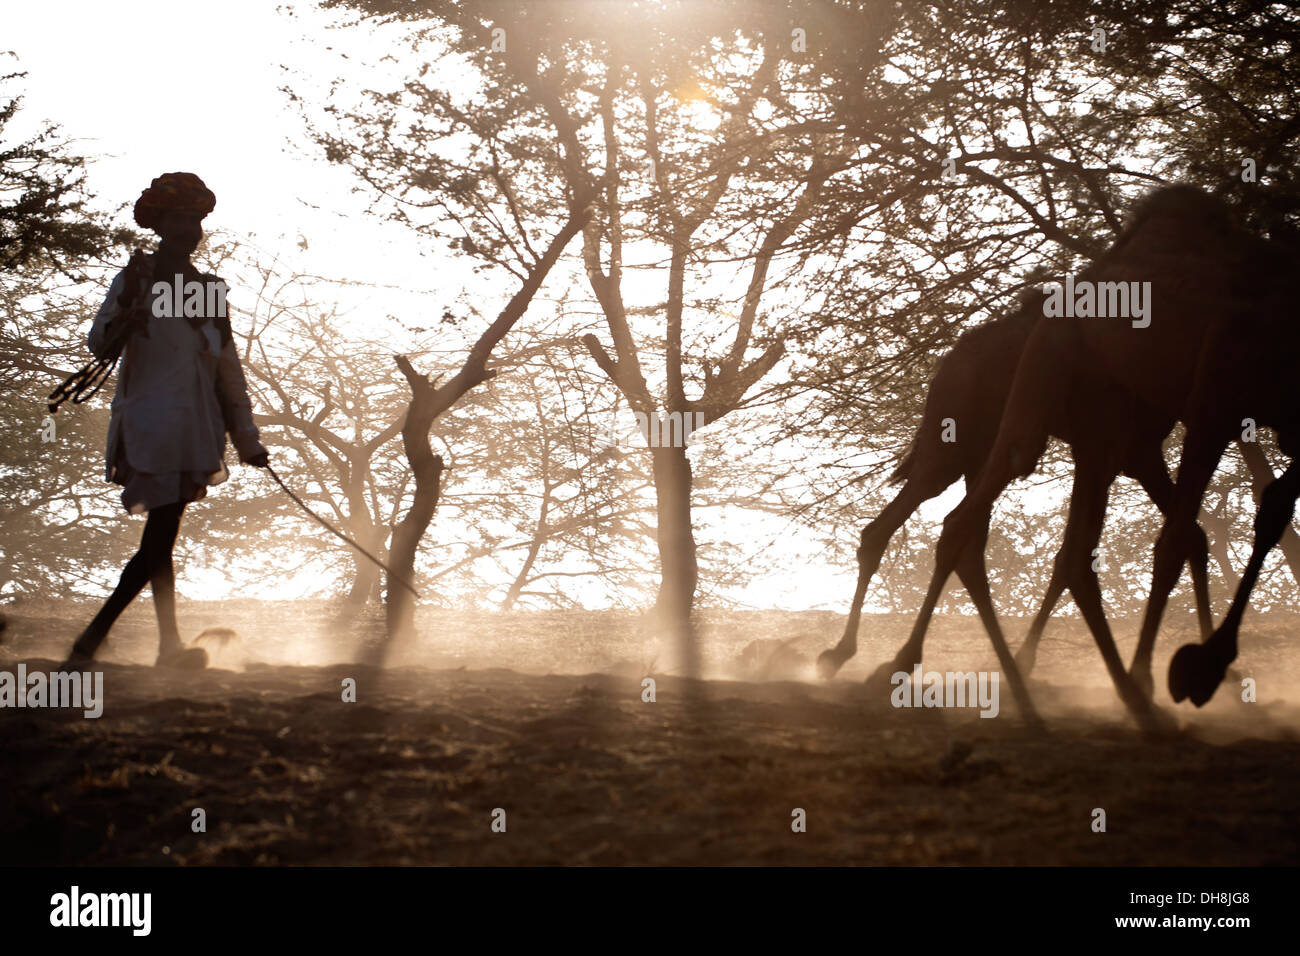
[[174, 206]]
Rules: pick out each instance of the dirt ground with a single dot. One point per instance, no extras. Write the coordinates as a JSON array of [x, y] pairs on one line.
[[587, 772]]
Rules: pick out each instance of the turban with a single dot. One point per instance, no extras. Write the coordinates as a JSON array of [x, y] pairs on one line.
[[179, 192]]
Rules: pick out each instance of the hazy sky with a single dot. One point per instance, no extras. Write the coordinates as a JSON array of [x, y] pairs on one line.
[[148, 86]]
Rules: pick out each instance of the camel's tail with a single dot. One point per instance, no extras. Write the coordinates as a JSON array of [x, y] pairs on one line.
[[904, 469]]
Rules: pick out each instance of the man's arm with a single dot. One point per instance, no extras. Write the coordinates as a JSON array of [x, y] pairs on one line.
[[98, 339], [104, 331], [236, 409]]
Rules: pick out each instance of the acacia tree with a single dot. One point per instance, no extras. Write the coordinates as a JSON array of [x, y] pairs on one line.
[[56, 513], [431, 399], [53, 523], [1012, 144], [46, 213], [536, 499], [330, 399], [552, 504], [704, 130]]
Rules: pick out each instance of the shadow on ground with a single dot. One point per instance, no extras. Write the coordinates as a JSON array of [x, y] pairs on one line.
[[587, 772]]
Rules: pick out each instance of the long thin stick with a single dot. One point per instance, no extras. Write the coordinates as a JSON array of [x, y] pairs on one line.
[[392, 575], [82, 385]]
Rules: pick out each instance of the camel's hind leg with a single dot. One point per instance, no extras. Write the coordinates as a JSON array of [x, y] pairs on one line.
[[1022, 436], [961, 549], [1088, 498], [1202, 448], [1149, 470], [1028, 653], [973, 571], [1197, 669], [875, 538]]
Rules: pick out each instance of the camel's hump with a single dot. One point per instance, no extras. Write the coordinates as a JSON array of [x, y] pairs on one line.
[[1181, 200]]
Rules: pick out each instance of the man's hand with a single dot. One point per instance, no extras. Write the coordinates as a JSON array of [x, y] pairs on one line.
[[259, 461]]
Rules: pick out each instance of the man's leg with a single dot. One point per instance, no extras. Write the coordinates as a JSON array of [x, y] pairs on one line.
[[155, 546], [163, 586]]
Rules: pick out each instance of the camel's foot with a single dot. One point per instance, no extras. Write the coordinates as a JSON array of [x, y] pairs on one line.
[[1195, 673], [1141, 676], [829, 663], [1137, 695], [183, 658], [1156, 722], [881, 682], [1034, 724], [1023, 699]]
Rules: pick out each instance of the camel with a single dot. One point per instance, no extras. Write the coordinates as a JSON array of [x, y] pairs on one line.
[[970, 389], [1242, 374], [1205, 356]]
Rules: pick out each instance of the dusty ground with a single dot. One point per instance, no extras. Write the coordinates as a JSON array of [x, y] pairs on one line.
[[589, 773]]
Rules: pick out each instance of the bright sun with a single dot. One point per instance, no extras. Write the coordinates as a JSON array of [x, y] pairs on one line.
[[697, 108]]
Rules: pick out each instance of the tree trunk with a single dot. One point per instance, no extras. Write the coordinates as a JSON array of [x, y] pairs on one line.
[[365, 574], [521, 579], [672, 475], [430, 400], [400, 608], [365, 588], [364, 530], [424, 408], [363, 580]]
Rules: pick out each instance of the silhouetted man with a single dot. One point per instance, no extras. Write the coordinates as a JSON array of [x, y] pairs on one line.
[[180, 390]]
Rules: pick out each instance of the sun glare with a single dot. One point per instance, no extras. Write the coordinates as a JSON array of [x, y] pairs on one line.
[[697, 108]]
